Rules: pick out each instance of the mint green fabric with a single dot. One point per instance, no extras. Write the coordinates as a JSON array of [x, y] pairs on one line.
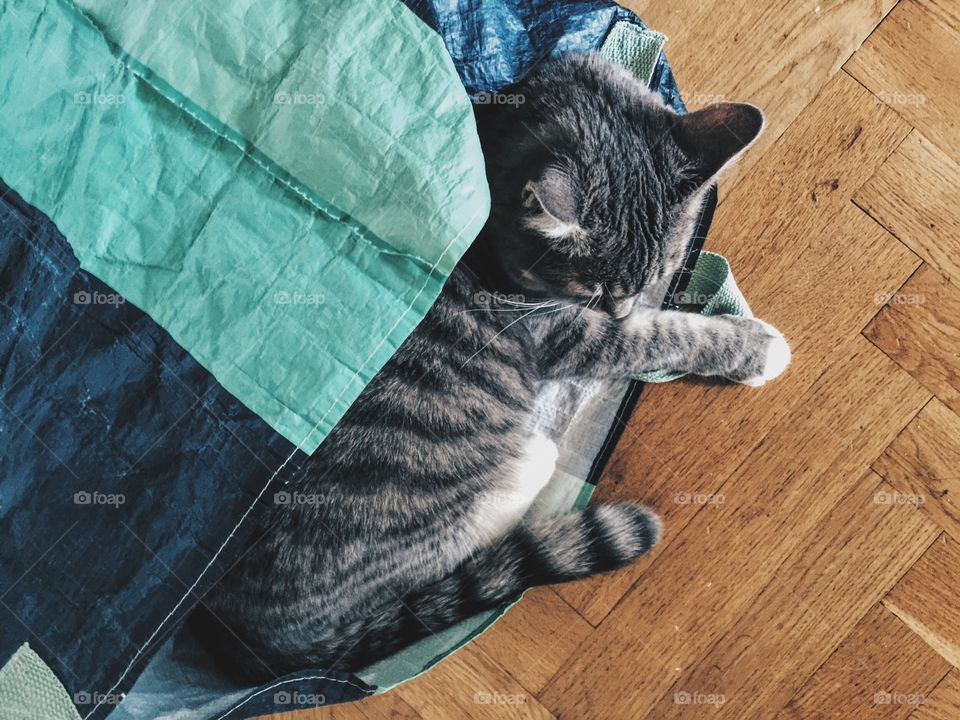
[[634, 47], [713, 288], [284, 187], [357, 100], [30, 691]]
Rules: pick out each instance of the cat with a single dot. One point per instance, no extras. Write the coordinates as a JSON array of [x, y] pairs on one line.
[[418, 494]]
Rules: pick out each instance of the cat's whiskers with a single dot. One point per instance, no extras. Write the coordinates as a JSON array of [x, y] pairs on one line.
[[507, 327], [593, 298], [520, 303], [502, 310], [524, 306], [562, 307]]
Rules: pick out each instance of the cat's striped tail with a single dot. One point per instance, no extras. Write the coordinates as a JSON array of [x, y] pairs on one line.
[[569, 547]]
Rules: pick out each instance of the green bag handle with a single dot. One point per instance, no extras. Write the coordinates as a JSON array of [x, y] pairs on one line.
[[713, 288]]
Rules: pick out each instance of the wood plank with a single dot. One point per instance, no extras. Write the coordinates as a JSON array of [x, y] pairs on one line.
[[776, 55], [883, 670], [943, 703], [918, 329], [469, 685], [914, 196], [911, 63], [388, 706], [926, 598], [785, 249], [723, 558], [923, 466], [535, 638], [842, 569]]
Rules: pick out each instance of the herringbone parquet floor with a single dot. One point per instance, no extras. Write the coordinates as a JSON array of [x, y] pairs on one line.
[[810, 566]]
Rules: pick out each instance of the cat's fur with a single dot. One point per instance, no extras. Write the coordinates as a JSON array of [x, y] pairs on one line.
[[409, 516]]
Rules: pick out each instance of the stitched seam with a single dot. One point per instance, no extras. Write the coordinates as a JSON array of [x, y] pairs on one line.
[[282, 682]]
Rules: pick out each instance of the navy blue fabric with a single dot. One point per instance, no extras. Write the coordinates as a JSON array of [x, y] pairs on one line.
[[494, 43], [124, 466]]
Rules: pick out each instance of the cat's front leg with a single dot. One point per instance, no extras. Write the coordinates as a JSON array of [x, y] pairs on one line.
[[745, 350]]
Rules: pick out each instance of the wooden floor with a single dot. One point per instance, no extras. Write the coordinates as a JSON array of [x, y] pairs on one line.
[[810, 566]]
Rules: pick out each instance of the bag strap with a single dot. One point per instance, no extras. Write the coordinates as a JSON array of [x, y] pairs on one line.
[[712, 287]]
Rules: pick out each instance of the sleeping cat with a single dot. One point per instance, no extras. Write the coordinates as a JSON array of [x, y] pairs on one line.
[[418, 493]]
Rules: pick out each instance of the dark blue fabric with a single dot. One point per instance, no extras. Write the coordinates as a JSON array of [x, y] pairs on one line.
[[99, 404], [494, 43], [124, 466]]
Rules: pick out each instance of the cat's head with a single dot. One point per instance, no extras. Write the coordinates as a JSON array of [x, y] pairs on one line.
[[596, 184]]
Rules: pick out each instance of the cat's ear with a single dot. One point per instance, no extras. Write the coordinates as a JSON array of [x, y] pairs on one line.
[[716, 135], [555, 207]]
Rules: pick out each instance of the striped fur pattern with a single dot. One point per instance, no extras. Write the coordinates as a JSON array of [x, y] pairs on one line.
[[410, 515]]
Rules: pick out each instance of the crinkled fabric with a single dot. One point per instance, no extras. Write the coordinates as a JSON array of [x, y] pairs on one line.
[[283, 186], [125, 466], [494, 43]]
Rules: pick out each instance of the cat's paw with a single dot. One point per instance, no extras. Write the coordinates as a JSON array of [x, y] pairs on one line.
[[770, 358]]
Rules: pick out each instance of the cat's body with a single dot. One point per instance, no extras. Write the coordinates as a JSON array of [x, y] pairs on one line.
[[407, 518]]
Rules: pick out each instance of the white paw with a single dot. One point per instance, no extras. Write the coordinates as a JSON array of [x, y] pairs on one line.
[[539, 460], [778, 357], [504, 505]]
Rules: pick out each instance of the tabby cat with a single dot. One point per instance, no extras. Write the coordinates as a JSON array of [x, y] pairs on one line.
[[421, 488]]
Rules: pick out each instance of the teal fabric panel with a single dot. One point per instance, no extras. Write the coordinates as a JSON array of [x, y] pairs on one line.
[[290, 247], [358, 100]]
